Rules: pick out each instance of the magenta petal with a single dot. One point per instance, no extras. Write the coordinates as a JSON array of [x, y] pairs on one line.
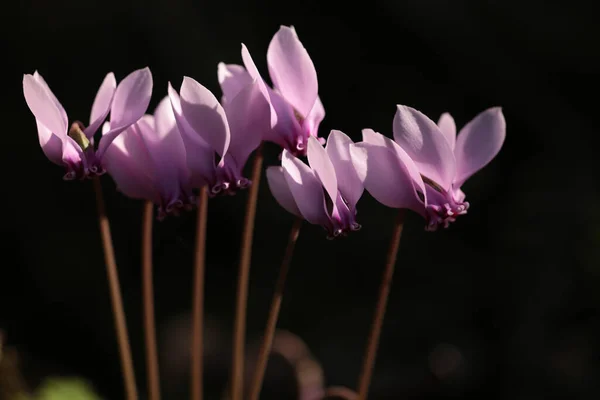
[[478, 143], [306, 189], [127, 161], [50, 143], [292, 70], [385, 177], [423, 141], [102, 103], [323, 168], [232, 78], [338, 149], [249, 120], [130, 102], [44, 105], [200, 156], [377, 139], [281, 191], [205, 115], [448, 127]]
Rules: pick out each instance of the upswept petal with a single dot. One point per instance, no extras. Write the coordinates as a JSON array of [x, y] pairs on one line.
[[292, 70], [377, 139], [306, 189], [255, 74], [248, 114], [127, 161], [338, 150], [232, 78], [423, 141], [315, 117], [130, 102], [44, 105], [385, 177], [50, 143], [478, 143], [205, 115], [102, 103], [200, 156], [281, 191], [323, 168], [448, 127]]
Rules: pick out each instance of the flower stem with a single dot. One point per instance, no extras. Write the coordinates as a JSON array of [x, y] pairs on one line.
[[115, 296], [198, 299], [384, 291], [148, 293], [239, 329], [265, 348]]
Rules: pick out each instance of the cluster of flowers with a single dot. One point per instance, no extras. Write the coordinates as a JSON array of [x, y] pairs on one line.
[[194, 141]]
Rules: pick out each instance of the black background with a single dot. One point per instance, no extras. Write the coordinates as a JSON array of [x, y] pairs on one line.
[[513, 285]]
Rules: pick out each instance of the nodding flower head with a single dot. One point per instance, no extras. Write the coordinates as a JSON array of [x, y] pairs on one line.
[[325, 191], [425, 165]]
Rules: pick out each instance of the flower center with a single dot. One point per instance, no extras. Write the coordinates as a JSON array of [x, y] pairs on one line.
[[442, 207]]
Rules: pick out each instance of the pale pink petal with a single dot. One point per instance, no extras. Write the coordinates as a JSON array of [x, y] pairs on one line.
[[315, 117], [322, 166], [448, 127], [130, 102], [255, 74], [102, 103], [232, 78], [385, 177], [423, 141], [338, 149], [377, 139], [478, 143], [44, 105], [306, 189], [50, 143], [281, 191], [292, 71], [205, 115], [248, 114]]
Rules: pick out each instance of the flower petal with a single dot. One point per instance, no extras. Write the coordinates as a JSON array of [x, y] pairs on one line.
[[127, 161], [44, 105], [249, 120], [205, 115], [321, 164], [200, 156], [306, 189], [130, 102], [102, 103], [292, 70], [385, 176], [50, 143], [377, 139], [232, 78], [478, 143], [281, 191], [448, 127], [423, 141], [315, 117], [338, 149]]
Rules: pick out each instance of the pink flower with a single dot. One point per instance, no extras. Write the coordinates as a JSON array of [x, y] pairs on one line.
[[326, 191], [426, 164], [148, 161], [295, 107], [232, 131], [73, 147]]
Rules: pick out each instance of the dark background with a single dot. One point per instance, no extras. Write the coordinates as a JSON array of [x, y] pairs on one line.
[[512, 287]]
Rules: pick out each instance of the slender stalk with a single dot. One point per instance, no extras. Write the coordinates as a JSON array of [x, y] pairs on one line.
[[384, 291], [198, 301], [265, 347], [115, 296], [239, 329], [148, 294]]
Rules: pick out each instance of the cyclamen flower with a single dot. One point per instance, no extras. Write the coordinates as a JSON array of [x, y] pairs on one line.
[[233, 132], [425, 167], [148, 161], [295, 106], [299, 188], [73, 147]]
